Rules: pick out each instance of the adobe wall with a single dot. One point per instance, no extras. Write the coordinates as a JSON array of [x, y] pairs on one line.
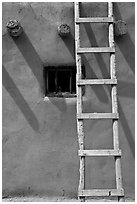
[[39, 137]]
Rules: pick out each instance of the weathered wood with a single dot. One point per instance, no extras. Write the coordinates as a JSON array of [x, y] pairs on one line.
[[114, 115], [108, 152], [98, 115], [96, 81], [94, 20], [102, 192], [80, 131], [96, 50], [114, 103]]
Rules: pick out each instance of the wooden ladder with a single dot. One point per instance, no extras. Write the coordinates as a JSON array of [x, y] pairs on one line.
[[116, 152]]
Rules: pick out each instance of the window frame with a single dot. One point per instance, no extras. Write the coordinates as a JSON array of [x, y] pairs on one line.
[[71, 69]]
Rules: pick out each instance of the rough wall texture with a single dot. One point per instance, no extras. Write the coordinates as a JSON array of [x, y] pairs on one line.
[[39, 137]]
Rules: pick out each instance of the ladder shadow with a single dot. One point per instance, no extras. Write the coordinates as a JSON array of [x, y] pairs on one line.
[[125, 43], [98, 56], [127, 48], [70, 44], [130, 87], [14, 92], [93, 43], [126, 129], [126, 89], [100, 93]]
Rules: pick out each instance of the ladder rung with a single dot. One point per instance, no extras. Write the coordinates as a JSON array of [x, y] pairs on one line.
[[95, 20], [101, 192], [106, 152], [98, 116], [95, 50], [96, 81]]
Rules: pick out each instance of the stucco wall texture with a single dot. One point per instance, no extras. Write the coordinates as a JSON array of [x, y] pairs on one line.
[[39, 136]]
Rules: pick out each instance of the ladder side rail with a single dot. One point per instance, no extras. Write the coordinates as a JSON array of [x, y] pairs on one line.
[[114, 104], [80, 124]]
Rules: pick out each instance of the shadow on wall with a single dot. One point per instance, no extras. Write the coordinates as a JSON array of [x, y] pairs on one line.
[[126, 129], [70, 44], [125, 43], [60, 103], [32, 58], [35, 64], [100, 93], [93, 43], [120, 41], [129, 87], [19, 100]]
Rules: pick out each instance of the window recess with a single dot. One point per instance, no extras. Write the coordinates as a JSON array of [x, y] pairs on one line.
[[60, 81]]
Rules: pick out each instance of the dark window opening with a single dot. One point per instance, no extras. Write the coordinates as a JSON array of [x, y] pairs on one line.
[[64, 81], [51, 81], [60, 81]]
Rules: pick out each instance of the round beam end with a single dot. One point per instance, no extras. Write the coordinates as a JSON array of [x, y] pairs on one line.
[[14, 28], [64, 30]]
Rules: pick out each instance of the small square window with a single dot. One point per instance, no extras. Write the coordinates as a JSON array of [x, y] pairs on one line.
[[60, 81]]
